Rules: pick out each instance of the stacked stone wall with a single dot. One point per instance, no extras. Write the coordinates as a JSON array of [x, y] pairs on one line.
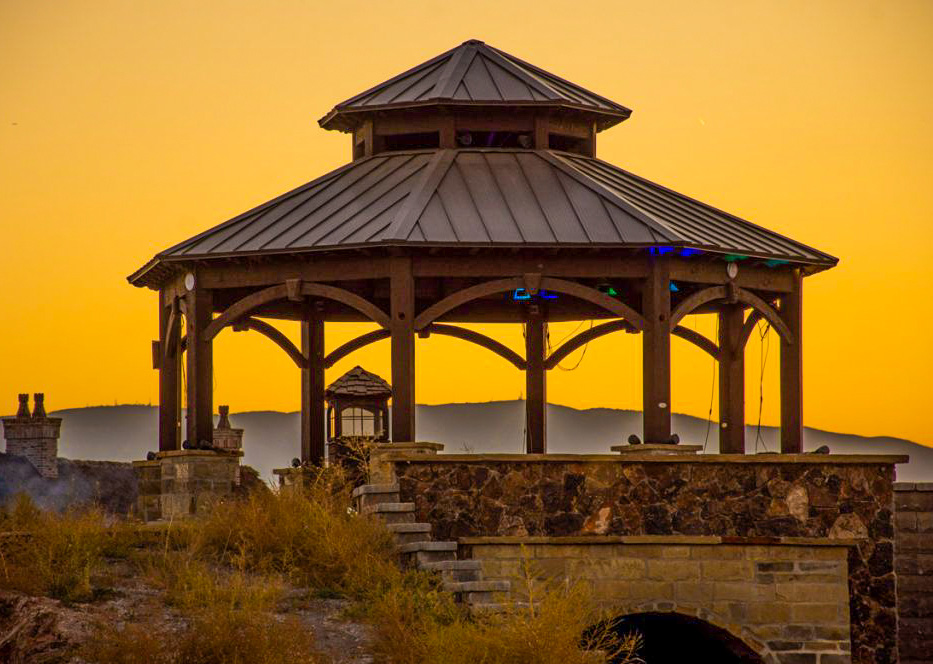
[[788, 603], [913, 504], [774, 496]]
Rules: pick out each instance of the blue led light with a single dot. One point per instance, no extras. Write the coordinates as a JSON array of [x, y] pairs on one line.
[[686, 251], [545, 295], [674, 288], [660, 251], [520, 294]]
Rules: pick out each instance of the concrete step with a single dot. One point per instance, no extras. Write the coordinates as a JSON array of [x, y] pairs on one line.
[[417, 554], [407, 533], [456, 570], [498, 607], [484, 586], [373, 494], [392, 512]]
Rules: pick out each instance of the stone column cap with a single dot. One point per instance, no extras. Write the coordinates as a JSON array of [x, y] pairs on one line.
[[656, 449]]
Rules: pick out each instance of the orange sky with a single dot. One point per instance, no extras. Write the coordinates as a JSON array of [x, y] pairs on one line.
[[128, 126]]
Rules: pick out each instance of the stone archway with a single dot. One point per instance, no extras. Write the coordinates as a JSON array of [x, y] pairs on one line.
[[672, 634]]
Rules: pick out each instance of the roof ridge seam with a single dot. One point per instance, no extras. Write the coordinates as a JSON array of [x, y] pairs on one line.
[[453, 72], [655, 224], [420, 195]]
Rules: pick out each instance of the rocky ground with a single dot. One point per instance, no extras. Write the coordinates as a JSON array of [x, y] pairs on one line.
[[39, 630]]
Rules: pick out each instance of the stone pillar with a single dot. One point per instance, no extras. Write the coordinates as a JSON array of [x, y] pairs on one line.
[[192, 480], [35, 436], [225, 436]]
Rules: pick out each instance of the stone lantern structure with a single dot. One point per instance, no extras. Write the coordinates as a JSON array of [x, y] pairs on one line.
[[34, 436], [357, 408]]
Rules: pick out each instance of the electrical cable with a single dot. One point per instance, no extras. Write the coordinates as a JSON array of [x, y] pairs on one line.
[[712, 389], [764, 348]]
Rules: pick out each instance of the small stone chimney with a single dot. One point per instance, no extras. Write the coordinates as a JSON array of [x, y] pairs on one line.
[[225, 436], [35, 436]]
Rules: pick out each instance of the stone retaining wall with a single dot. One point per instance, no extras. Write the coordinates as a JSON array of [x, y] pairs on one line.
[[788, 603], [731, 496], [913, 561]]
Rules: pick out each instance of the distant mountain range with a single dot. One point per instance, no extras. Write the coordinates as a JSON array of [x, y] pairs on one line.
[[125, 433]]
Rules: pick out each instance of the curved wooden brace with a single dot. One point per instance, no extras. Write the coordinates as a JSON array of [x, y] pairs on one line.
[[242, 307], [596, 297], [700, 298], [697, 339], [585, 337], [272, 333], [480, 340], [344, 296], [354, 344], [750, 323], [281, 291], [574, 289], [280, 340], [454, 300]]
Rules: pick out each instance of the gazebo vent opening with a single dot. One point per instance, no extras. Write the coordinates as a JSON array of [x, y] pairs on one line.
[[474, 195]]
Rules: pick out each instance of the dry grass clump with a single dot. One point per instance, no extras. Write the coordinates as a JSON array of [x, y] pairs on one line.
[[310, 535], [421, 625], [59, 555]]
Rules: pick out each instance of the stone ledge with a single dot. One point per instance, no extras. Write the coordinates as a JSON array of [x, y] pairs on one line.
[[659, 539], [199, 453], [913, 486], [814, 459]]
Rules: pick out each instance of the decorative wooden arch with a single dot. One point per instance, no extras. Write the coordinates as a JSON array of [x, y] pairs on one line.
[[291, 290], [698, 340], [270, 332], [734, 294], [750, 323], [585, 337], [488, 343], [535, 283], [353, 345]]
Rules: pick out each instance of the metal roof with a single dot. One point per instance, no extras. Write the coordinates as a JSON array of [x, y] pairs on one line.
[[358, 382], [476, 73], [482, 197]]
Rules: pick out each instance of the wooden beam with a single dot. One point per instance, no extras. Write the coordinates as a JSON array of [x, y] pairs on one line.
[[354, 344], [403, 350], [490, 264], [461, 297], [792, 370], [731, 381], [200, 358], [253, 274], [585, 337], [656, 354], [169, 379], [279, 339], [734, 294], [488, 343], [313, 433], [596, 297], [698, 270], [535, 382], [750, 324], [698, 340]]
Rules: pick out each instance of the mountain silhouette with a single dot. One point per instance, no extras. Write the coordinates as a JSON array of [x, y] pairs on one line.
[[125, 433]]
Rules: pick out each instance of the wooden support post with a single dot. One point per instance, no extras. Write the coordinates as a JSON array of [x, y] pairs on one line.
[[535, 381], [200, 363], [731, 380], [313, 434], [656, 353], [792, 370], [169, 377], [403, 350]]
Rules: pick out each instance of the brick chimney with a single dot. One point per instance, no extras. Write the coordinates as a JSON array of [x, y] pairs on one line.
[[35, 436]]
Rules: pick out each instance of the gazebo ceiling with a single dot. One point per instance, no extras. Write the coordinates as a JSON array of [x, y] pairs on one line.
[[475, 74], [482, 198]]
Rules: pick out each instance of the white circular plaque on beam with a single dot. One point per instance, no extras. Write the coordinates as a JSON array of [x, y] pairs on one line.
[[732, 269], [189, 281]]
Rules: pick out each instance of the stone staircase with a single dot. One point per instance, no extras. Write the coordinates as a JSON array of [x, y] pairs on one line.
[[417, 549]]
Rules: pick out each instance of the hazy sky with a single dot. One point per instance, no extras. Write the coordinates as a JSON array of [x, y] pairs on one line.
[[126, 127]]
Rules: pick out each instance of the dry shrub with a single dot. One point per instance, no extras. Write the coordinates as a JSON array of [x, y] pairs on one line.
[[213, 636], [130, 644], [59, 555], [559, 625], [310, 535]]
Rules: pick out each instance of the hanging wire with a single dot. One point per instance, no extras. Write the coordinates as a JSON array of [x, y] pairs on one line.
[[712, 388], [582, 355], [764, 348]]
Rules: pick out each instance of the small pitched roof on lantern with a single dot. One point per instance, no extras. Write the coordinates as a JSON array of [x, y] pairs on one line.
[[358, 382], [475, 73]]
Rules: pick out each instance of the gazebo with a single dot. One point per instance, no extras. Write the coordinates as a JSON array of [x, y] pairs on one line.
[[475, 195], [358, 405]]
